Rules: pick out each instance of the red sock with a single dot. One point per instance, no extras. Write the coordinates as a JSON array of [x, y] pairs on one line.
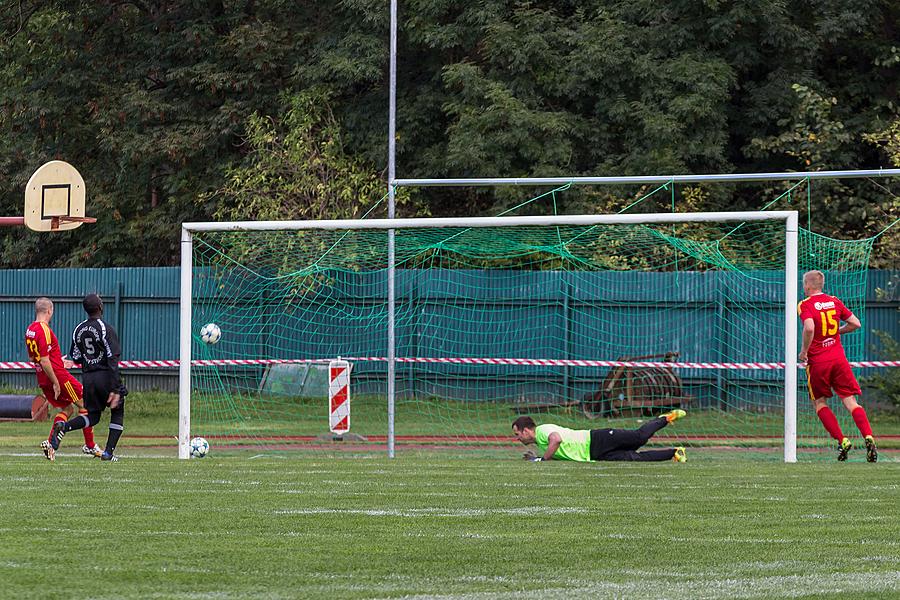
[[862, 421], [88, 432], [830, 422], [58, 417]]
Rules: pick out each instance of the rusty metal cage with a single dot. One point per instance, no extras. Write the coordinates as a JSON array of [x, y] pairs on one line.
[[641, 390]]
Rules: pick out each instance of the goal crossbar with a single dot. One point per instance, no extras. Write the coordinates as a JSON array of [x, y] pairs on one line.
[[386, 224]]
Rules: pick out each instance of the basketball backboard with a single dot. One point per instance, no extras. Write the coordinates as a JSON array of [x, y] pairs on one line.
[[54, 198]]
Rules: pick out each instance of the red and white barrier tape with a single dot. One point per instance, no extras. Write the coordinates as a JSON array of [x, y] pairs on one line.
[[538, 362]]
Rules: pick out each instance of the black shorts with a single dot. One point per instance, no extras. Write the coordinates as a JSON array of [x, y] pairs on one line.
[[605, 442], [97, 387]]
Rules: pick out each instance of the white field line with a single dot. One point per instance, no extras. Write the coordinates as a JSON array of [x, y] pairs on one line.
[[92, 531], [702, 588], [731, 539], [76, 455], [104, 568], [435, 512]]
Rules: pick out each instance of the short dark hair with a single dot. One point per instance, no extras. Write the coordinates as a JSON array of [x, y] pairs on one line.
[[524, 423], [92, 304]]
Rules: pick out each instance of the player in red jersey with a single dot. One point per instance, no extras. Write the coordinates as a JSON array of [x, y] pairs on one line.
[[827, 367], [61, 389]]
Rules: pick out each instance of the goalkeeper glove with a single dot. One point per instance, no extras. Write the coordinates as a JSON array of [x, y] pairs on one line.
[[536, 459]]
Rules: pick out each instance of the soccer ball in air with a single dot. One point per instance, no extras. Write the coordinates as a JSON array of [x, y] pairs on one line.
[[199, 447], [210, 333]]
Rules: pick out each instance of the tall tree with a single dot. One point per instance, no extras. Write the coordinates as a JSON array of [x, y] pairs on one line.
[[153, 101]]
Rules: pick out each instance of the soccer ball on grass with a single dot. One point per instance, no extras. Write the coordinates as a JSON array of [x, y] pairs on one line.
[[210, 333], [199, 447]]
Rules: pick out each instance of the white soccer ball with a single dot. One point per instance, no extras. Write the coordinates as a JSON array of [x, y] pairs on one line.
[[199, 447], [210, 333]]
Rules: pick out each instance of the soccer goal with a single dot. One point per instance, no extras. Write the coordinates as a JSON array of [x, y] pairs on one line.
[[454, 327]]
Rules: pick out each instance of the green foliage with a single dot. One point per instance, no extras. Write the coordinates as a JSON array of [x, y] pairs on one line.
[[811, 135], [889, 140], [159, 103], [296, 168], [815, 138]]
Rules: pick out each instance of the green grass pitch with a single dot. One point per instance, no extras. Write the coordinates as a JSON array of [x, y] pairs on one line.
[[448, 523]]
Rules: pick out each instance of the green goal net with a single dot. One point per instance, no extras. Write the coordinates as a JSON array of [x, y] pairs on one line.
[[587, 326]]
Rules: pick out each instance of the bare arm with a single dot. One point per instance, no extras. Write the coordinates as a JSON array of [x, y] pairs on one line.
[[852, 324], [809, 330], [553, 442], [51, 375]]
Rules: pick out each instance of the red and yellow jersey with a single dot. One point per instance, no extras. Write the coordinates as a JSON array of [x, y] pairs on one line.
[[41, 341], [827, 312]]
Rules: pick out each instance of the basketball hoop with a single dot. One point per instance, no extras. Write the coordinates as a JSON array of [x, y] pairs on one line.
[[55, 221]]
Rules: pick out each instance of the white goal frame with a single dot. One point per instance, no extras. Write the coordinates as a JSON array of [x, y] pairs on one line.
[[789, 218]]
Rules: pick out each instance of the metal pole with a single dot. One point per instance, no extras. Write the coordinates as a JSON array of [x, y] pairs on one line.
[[391, 304], [567, 336], [656, 179], [790, 339], [184, 345], [419, 223]]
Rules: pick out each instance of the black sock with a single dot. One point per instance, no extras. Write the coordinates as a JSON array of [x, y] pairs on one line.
[[116, 418], [115, 432], [79, 422]]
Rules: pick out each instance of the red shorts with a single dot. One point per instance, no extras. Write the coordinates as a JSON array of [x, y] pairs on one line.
[[821, 378], [70, 392]]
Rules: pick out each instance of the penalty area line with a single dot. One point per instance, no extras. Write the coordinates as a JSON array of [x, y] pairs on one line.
[[128, 456]]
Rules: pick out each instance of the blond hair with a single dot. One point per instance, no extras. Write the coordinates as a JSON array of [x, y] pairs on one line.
[[814, 279], [43, 305]]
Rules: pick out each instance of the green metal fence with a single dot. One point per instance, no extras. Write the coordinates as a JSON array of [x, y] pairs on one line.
[[142, 303]]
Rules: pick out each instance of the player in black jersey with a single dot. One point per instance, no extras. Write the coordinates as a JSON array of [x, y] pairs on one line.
[[95, 348]]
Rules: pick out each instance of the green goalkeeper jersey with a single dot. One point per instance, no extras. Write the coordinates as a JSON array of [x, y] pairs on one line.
[[575, 445]]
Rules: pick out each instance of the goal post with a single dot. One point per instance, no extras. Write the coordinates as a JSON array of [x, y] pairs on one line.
[[184, 344], [529, 242], [790, 336]]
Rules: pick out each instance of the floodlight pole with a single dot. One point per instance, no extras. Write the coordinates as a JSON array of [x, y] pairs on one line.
[[391, 300]]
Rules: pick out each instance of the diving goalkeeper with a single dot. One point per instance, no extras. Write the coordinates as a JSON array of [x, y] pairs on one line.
[[560, 443]]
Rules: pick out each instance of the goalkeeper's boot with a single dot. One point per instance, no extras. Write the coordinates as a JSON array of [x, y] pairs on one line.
[[95, 451], [680, 455], [56, 434], [106, 456], [49, 452], [674, 415], [871, 449], [844, 449]]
